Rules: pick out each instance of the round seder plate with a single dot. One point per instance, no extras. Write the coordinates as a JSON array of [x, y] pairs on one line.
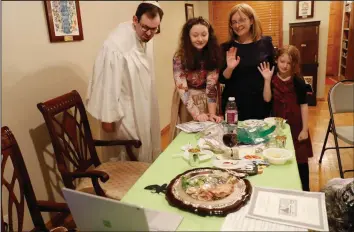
[[208, 191]]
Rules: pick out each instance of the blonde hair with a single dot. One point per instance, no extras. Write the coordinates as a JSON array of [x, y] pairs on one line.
[[294, 55], [256, 27]]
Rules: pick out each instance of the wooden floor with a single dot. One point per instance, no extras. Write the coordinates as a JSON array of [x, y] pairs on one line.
[[318, 123]]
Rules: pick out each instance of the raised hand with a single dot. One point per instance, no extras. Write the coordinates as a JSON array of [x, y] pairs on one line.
[[231, 59], [264, 69]]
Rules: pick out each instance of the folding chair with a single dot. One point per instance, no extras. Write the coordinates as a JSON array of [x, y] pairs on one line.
[[340, 100]]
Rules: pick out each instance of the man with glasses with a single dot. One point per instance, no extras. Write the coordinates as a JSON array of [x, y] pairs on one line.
[[121, 93]]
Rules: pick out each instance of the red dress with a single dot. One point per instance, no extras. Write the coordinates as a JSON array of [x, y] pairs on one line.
[[285, 105]]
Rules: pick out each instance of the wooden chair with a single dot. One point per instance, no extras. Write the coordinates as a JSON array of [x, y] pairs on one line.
[[75, 152], [11, 151]]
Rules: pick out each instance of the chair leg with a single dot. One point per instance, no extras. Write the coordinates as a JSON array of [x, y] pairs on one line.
[[325, 142], [338, 155]]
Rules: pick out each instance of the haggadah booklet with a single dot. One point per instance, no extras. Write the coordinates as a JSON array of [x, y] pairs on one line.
[[289, 207]]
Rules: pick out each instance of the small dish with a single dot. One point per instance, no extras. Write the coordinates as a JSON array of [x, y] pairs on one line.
[[203, 155], [277, 155], [186, 147]]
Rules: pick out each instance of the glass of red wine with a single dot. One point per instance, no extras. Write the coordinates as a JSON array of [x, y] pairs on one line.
[[230, 140]]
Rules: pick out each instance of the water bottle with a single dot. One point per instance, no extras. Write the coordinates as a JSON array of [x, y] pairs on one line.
[[231, 114], [231, 118]]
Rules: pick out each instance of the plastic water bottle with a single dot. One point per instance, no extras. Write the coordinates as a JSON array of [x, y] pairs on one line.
[[231, 114], [231, 118]]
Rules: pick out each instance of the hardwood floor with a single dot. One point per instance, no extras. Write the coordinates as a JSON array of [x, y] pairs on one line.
[[318, 123]]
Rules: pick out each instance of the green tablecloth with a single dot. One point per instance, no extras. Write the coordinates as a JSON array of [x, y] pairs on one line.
[[166, 167]]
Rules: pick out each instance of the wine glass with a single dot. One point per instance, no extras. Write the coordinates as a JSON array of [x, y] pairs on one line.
[[230, 138]]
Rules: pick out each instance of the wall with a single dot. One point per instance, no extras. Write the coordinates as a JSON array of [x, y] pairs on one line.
[[321, 13], [35, 70]]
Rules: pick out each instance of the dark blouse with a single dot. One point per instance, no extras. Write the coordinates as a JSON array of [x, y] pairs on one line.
[[301, 89], [246, 82]]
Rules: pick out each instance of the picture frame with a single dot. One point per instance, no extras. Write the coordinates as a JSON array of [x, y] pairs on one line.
[[189, 9], [64, 21], [304, 9]]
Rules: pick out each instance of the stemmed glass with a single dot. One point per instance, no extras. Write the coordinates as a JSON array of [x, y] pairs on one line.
[[230, 137]]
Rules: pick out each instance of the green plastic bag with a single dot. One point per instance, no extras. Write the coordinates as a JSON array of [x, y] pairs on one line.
[[254, 135]]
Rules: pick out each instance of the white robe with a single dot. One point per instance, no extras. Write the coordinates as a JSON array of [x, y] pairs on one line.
[[122, 90]]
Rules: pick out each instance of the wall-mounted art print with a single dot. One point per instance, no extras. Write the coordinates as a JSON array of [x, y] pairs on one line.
[[64, 21], [189, 8], [304, 9]]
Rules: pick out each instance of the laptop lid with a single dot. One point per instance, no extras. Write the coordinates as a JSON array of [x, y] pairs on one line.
[[95, 213]]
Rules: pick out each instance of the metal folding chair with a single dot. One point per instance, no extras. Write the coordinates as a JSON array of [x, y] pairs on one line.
[[340, 100]]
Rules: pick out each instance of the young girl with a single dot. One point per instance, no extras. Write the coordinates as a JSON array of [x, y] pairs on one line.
[[195, 71], [287, 89]]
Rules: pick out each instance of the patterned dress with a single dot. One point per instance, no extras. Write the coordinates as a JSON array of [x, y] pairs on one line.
[[198, 80], [194, 90], [286, 105]]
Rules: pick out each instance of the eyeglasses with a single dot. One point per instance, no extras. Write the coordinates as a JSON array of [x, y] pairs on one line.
[[242, 21], [145, 28]]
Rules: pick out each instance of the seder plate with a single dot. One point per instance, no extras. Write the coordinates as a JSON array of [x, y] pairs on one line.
[[208, 191]]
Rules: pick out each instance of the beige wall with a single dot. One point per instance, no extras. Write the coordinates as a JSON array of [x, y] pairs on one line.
[[321, 13], [34, 70]]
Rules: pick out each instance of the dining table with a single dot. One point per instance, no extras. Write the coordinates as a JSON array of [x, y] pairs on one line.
[[168, 165]]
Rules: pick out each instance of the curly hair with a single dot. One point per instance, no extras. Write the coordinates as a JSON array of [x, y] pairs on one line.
[[191, 58]]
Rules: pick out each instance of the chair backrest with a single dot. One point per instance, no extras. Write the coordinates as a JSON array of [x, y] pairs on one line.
[[10, 151], [341, 97], [70, 133], [220, 88]]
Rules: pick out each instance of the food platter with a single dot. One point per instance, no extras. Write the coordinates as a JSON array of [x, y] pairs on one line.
[[209, 191]]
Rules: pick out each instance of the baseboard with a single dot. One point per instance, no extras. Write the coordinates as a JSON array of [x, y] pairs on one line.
[[165, 130], [321, 99]]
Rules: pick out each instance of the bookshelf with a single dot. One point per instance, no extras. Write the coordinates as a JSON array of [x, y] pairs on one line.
[[347, 50]]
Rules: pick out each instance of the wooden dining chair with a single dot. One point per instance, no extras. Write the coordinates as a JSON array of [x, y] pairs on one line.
[[10, 151], [75, 152]]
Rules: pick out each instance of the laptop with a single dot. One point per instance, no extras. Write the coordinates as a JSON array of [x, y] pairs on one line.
[[96, 213]]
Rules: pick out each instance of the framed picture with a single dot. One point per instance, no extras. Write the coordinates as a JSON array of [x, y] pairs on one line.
[[64, 21], [304, 9], [189, 8]]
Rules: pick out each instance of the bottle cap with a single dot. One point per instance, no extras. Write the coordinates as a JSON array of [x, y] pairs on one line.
[[231, 98]]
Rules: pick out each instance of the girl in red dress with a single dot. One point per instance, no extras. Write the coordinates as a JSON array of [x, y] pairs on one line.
[[288, 91]]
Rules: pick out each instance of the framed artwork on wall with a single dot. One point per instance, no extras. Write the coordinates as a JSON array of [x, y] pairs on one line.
[[64, 21], [304, 9], [189, 8]]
